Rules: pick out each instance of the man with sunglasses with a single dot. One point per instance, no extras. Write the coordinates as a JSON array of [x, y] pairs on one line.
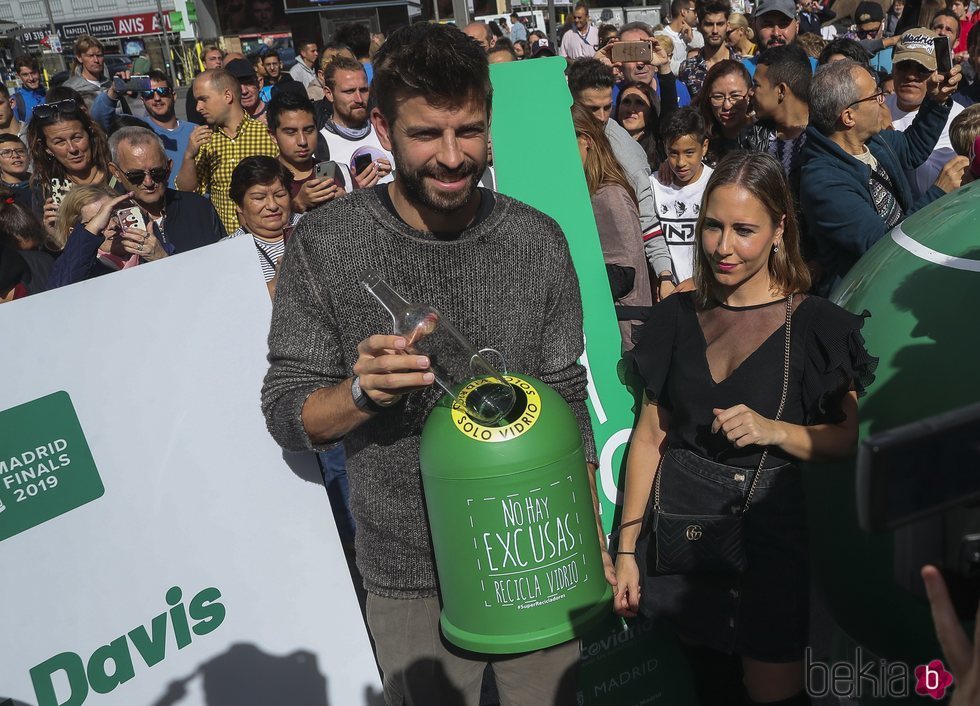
[[160, 117], [854, 186], [869, 29], [181, 220], [914, 64]]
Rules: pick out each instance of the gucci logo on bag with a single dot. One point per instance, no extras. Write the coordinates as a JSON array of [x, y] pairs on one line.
[[693, 533]]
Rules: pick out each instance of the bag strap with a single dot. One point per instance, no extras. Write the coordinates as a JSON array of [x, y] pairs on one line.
[[779, 412], [782, 401]]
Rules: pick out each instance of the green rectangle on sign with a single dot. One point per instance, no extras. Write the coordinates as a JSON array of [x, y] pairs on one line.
[[177, 21], [191, 11], [46, 466]]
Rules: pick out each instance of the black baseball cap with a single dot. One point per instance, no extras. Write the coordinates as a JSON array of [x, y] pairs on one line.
[[868, 12], [241, 69]]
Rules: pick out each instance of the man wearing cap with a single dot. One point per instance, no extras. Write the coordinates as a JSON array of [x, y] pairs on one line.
[[776, 25], [248, 82], [869, 28], [215, 149], [914, 64], [854, 186]]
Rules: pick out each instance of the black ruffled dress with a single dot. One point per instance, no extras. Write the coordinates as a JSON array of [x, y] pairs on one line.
[[693, 362]]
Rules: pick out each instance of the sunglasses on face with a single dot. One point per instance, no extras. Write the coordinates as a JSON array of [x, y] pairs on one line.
[[159, 91], [47, 111], [157, 174], [867, 33]]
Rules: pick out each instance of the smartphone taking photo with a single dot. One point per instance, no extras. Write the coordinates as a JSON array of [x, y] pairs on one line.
[[944, 55], [631, 52], [135, 83]]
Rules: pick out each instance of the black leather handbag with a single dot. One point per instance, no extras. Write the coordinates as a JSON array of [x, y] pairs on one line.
[[707, 544]]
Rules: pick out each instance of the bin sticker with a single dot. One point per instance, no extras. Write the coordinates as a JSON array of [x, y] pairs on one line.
[[535, 553], [524, 415], [46, 466]]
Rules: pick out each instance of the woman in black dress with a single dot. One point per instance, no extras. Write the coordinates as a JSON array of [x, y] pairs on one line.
[[712, 362]]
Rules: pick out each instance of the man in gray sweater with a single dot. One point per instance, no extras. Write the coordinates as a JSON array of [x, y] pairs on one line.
[[498, 270]]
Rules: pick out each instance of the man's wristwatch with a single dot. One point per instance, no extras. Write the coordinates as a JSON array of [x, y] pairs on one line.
[[361, 399]]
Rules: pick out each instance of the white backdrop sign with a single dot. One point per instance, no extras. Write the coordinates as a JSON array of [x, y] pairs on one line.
[[156, 547]]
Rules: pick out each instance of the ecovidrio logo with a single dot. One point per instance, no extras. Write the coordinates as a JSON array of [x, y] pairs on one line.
[[46, 466]]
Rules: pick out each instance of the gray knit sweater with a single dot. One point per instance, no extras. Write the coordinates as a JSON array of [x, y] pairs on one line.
[[507, 282]]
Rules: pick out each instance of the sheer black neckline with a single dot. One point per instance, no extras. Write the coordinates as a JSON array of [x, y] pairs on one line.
[[750, 307]]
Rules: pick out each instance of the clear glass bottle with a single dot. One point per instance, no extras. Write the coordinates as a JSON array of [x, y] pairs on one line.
[[429, 333]]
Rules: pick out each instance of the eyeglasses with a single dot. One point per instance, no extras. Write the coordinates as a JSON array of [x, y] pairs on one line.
[[14, 152], [46, 111], [157, 174], [159, 91], [721, 98], [878, 97], [867, 33]]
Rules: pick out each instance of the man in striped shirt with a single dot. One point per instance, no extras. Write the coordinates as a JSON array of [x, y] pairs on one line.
[[215, 149]]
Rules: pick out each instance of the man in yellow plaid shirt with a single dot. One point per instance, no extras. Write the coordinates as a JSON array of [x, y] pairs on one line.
[[215, 149]]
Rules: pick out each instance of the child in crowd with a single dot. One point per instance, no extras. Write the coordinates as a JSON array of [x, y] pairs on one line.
[[678, 189]]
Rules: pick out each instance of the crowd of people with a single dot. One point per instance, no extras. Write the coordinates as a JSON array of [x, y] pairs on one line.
[[737, 170]]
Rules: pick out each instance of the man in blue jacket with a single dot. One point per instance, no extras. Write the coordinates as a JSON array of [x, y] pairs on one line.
[[854, 187]]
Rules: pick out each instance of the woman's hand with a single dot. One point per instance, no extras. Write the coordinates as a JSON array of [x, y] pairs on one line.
[[136, 241], [97, 223], [742, 427], [963, 658], [626, 591], [50, 217]]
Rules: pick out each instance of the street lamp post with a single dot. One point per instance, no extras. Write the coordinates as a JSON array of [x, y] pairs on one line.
[[54, 32], [168, 57]]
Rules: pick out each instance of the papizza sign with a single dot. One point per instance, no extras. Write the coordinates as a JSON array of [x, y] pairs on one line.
[[46, 466]]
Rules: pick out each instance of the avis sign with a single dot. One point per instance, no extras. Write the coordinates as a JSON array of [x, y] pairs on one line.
[[144, 23]]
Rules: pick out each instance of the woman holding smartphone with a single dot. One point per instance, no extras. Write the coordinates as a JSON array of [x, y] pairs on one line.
[[744, 377], [67, 148]]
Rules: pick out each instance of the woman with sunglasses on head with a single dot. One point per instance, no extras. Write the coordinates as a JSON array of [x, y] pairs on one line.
[[740, 35], [67, 149], [744, 377], [724, 105]]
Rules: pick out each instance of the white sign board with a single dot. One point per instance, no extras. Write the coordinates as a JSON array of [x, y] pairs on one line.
[[156, 546]]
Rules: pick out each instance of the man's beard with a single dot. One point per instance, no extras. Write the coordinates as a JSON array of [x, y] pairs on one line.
[[412, 181], [775, 41], [349, 119]]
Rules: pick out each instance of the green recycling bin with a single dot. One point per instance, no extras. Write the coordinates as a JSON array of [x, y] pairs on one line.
[[513, 526]]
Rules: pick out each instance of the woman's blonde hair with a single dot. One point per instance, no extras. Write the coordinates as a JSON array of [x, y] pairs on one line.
[[601, 167], [762, 176], [737, 21], [70, 210]]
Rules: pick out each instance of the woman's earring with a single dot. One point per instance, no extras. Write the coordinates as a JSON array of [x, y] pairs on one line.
[[775, 248]]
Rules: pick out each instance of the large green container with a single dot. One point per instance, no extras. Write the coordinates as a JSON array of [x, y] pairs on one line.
[[512, 522]]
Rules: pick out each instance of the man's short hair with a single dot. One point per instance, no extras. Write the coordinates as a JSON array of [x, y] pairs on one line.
[[208, 48], [788, 64], [302, 45], [221, 80], [434, 61], [86, 42], [158, 75], [272, 53], [257, 170], [581, 5], [287, 102], [340, 63], [134, 136], [515, 16], [833, 89], [584, 74], [357, 37], [642, 26], [965, 129], [845, 47], [684, 121], [676, 6], [503, 47], [28, 61], [715, 7]]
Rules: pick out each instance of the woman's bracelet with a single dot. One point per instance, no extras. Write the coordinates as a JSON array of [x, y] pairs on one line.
[[628, 553]]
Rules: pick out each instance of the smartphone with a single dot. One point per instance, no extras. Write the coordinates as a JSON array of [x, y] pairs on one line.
[[59, 190], [631, 51], [131, 217], [135, 83], [944, 55], [330, 170], [361, 162]]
